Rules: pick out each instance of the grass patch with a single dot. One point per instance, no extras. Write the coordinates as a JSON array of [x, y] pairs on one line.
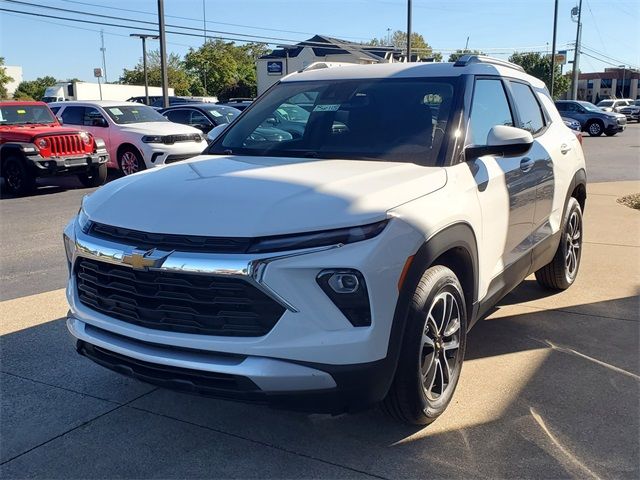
[[631, 201]]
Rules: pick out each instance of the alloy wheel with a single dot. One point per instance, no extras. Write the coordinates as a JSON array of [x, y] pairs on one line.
[[129, 163], [13, 176], [595, 129], [440, 345], [573, 241]]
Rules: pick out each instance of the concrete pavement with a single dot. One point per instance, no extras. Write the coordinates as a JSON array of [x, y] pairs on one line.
[[549, 389]]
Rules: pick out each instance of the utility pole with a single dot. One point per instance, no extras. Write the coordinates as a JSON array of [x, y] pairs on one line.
[[144, 37], [388, 36], [163, 55], [576, 55], [408, 30], [466, 45], [104, 59], [624, 71], [204, 24], [553, 47]]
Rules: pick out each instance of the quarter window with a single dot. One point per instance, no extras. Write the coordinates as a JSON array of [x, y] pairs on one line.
[[531, 118], [488, 109]]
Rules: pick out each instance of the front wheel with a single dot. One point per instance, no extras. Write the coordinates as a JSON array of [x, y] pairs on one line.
[[432, 350], [595, 128], [17, 178], [561, 272], [96, 177], [130, 161]]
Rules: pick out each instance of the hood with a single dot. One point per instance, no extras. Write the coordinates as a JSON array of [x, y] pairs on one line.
[[158, 128], [26, 133], [236, 196]]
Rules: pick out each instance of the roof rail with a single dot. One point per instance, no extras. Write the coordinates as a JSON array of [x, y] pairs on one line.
[[465, 60]]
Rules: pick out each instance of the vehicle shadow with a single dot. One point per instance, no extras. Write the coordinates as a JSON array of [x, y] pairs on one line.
[[53, 185], [541, 395]]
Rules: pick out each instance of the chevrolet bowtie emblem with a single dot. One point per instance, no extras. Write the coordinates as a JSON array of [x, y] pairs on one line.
[[143, 259]]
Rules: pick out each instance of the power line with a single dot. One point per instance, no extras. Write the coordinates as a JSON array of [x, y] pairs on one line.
[[596, 52]]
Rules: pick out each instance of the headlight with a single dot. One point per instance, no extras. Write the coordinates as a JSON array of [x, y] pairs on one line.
[[86, 139], [42, 143], [153, 139], [298, 241]]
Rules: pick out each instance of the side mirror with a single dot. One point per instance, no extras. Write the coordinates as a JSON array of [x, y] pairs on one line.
[[215, 132], [60, 121], [502, 140]]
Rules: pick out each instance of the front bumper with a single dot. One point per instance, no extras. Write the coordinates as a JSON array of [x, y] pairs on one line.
[[52, 166]]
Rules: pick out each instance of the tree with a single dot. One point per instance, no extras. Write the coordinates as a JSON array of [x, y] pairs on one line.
[[227, 70], [177, 74], [539, 66], [33, 89], [458, 53], [4, 79], [419, 46]]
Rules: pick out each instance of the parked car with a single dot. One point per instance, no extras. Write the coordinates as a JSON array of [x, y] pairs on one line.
[[203, 116], [613, 105], [137, 136], [344, 268], [34, 144], [142, 99], [237, 103], [632, 112], [159, 102], [593, 120]]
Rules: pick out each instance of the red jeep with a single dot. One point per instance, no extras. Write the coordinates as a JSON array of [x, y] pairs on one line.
[[33, 143]]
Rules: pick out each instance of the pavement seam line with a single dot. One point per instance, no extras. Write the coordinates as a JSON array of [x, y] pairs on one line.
[[259, 442], [611, 244], [520, 304], [40, 382], [76, 427]]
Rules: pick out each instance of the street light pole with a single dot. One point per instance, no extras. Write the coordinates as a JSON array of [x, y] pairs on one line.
[[163, 55], [624, 71], [553, 46], [143, 37], [576, 56], [408, 30]]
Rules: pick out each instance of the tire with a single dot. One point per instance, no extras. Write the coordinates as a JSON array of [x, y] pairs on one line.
[[561, 272], [130, 161], [595, 128], [610, 134], [420, 392], [17, 178], [95, 178]]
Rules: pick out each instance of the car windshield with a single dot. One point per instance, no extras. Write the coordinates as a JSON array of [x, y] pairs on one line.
[[222, 114], [590, 107], [25, 114], [399, 120], [125, 114], [605, 103]]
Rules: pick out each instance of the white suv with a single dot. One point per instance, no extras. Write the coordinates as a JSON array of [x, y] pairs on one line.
[[137, 136], [341, 265]]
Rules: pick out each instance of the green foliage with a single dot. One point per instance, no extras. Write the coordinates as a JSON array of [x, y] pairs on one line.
[[227, 70], [539, 66], [4, 79], [458, 53], [419, 45], [178, 77], [33, 89]]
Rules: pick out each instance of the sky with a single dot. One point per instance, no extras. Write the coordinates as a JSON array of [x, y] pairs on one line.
[[64, 49]]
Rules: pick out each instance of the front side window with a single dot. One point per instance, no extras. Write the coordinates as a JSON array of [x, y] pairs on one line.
[[92, 117], [73, 115], [374, 119], [178, 116], [529, 113], [126, 114], [488, 109]]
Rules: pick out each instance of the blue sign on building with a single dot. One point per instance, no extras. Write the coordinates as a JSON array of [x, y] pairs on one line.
[[274, 68]]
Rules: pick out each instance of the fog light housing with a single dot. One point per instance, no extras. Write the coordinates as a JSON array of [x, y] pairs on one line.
[[348, 291]]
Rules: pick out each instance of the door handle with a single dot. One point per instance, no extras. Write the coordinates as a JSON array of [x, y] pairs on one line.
[[526, 164], [564, 148]]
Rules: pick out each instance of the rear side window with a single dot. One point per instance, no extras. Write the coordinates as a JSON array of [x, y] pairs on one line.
[[488, 109], [73, 115], [531, 118]]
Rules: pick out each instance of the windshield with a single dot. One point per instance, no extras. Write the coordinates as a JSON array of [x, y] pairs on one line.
[[605, 103], [25, 114], [125, 114], [222, 114], [590, 106], [398, 120]]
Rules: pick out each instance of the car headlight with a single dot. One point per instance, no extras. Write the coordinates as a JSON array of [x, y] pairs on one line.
[[297, 241], [153, 139], [86, 139]]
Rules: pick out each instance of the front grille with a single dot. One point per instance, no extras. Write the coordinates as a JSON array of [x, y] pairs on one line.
[[176, 158], [191, 137], [176, 302], [66, 145], [162, 241]]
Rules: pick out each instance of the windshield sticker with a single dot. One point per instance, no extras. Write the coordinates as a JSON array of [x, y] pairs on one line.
[[216, 114], [116, 111], [21, 112], [327, 108]]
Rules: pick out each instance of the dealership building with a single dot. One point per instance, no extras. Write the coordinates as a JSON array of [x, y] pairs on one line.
[[612, 83], [290, 58]]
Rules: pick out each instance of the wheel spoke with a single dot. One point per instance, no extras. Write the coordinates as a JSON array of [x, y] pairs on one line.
[[453, 344], [446, 370], [452, 327]]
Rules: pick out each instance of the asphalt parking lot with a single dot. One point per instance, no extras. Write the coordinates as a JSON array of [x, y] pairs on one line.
[[549, 388]]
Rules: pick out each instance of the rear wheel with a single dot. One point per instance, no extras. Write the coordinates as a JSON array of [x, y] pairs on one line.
[[130, 161], [96, 177], [432, 351], [595, 128], [561, 272], [17, 178]]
